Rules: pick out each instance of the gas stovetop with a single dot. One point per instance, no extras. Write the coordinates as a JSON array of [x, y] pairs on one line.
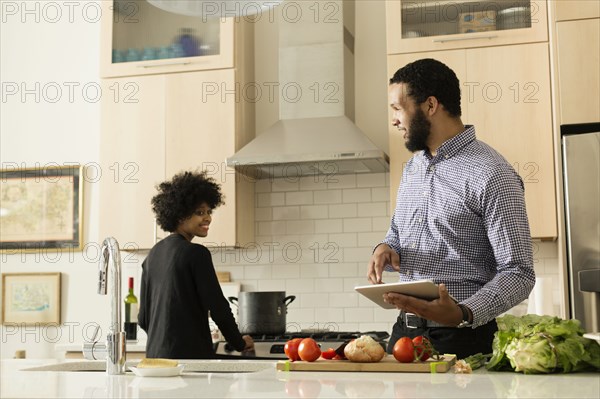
[[271, 346]]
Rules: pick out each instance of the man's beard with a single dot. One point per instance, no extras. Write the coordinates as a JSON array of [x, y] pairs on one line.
[[418, 132]]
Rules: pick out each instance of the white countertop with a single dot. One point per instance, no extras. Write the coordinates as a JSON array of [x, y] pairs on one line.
[[139, 346], [271, 383]]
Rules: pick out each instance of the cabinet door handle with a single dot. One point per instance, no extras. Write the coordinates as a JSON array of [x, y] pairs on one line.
[[456, 39], [161, 65]]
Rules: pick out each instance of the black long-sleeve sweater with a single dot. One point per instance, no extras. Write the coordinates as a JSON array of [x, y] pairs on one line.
[[179, 287]]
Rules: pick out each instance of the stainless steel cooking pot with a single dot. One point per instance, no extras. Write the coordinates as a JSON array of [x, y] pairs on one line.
[[262, 312]]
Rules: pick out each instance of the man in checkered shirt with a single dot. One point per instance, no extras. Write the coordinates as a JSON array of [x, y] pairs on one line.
[[459, 221]]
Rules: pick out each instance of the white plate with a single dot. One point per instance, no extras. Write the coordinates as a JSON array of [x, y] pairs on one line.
[[158, 371]]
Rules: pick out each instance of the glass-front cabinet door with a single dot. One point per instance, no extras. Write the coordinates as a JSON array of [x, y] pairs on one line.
[[140, 39], [430, 25]]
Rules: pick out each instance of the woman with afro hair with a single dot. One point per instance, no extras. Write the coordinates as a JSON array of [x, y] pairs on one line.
[[179, 284]]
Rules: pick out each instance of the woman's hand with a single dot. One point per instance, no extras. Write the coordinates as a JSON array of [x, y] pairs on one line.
[[249, 343]]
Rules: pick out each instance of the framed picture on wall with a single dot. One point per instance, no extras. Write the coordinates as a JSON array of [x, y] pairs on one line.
[[41, 208], [31, 298]]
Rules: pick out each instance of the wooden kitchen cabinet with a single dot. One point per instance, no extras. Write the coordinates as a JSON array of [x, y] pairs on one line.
[[506, 95], [566, 10], [201, 126], [132, 158], [166, 123], [578, 54], [433, 25], [138, 38], [179, 123]]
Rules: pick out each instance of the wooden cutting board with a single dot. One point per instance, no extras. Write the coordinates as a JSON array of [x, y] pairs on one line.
[[387, 364]]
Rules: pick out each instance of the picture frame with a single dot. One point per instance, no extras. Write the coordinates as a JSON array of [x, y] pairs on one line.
[[31, 298], [41, 208]]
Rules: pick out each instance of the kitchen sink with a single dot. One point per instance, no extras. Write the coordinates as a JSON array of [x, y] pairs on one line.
[[191, 366]]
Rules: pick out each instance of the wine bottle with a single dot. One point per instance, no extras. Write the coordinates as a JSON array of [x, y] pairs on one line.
[[131, 313]]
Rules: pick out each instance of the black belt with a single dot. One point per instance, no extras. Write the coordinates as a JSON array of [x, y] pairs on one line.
[[411, 320]]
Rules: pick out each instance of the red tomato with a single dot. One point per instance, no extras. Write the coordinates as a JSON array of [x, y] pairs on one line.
[[309, 350], [328, 354], [404, 350], [291, 349], [423, 348], [339, 357]]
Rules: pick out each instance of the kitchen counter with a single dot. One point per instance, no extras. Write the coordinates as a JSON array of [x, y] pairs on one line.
[[135, 350], [270, 383]]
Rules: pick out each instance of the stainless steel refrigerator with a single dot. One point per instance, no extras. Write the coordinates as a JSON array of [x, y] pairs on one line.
[[581, 178]]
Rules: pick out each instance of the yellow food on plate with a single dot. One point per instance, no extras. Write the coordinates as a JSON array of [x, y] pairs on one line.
[[147, 363], [364, 350]]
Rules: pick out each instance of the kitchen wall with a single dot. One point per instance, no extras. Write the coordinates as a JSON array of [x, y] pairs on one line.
[[322, 232], [51, 115], [314, 238]]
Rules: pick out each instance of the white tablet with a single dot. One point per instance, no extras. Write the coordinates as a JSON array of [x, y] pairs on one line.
[[424, 289]]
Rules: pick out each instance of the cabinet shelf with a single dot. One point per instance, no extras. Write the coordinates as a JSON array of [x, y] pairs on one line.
[[431, 25], [140, 39]]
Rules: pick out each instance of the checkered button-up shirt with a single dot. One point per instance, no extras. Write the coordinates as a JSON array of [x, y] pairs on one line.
[[460, 220]]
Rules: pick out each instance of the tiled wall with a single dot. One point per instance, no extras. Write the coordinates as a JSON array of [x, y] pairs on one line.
[[314, 238]]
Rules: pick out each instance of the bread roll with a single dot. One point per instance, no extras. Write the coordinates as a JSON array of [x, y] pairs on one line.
[[156, 363], [364, 350]]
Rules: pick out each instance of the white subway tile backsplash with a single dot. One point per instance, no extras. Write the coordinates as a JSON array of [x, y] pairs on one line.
[[545, 249], [314, 212], [329, 285], [271, 285], [258, 272], [299, 317], [369, 239], [329, 226], [263, 214], [299, 198], [343, 270], [262, 186], [329, 318], [381, 224], [351, 282], [285, 184], [286, 271], [380, 194], [357, 254], [341, 181], [311, 183], [372, 209], [275, 228], [343, 211], [355, 225], [300, 227], [343, 240], [385, 315], [356, 195], [320, 300], [327, 197], [316, 271], [344, 300], [358, 315], [313, 241], [285, 212], [270, 199], [371, 180], [299, 286]]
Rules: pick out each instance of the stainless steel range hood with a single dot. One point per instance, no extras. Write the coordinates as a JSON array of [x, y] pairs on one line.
[[313, 135]]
